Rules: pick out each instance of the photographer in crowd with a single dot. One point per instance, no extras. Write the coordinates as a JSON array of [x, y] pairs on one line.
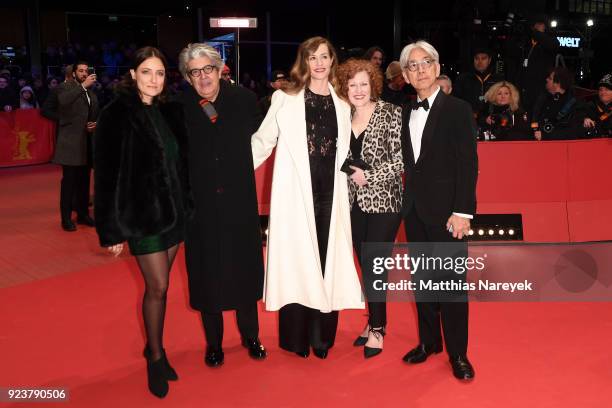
[[538, 58], [597, 112], [471, 86], [556, 113], [501, 117], [77, 113]]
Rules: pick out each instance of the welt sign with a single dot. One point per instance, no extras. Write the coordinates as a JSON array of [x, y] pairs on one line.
[[569, 42]]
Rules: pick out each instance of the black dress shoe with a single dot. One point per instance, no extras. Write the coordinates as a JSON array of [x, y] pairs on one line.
[[68, 226], [420, 353], [374, 351], [214, 357], [86, 220], [169, 372], [320, 353], [156, 378], [256, 349], [303, 354], [462, 369]]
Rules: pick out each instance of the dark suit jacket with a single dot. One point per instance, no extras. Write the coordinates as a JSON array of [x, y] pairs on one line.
[[443, 180], [74, 113]]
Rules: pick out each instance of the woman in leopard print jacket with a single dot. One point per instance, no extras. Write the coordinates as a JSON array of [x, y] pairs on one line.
[[375, 185]]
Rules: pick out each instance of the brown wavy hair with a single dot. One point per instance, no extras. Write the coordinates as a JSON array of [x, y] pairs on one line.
[[299, 76], [351, 67]]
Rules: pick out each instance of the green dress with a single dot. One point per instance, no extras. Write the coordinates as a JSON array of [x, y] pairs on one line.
[[175, 235]]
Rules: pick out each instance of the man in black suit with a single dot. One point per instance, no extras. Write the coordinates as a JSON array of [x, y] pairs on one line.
[[441, 164]]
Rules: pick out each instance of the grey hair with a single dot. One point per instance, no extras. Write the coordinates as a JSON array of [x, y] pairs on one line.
[[424, 45], [197, 50], [445, 78]]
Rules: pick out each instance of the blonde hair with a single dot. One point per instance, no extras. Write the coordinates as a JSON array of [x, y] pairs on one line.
[[515, 98], [299, 76]]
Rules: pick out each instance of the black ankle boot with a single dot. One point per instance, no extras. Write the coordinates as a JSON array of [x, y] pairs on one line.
[[169, 372], [374, 351], [156, 376]]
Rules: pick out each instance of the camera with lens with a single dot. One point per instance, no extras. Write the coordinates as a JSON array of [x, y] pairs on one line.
[[592, 132], [548, 126], [502, 119]]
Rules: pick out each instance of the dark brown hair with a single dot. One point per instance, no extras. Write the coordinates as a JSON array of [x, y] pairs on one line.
[[563, 77], [370, 52], [128, 85]]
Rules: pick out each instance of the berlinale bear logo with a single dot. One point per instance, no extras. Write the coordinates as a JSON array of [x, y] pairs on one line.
[[23, 138]]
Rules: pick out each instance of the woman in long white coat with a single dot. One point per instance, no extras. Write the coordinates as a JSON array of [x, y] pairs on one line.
[[310, 273]]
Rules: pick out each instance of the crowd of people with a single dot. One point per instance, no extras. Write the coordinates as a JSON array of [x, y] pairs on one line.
[[535, 102], [524, 106]]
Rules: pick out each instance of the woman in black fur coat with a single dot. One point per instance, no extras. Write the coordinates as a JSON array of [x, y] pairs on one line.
[[142, 193]]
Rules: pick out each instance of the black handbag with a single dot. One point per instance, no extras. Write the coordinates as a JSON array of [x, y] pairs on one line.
[[359, 163]]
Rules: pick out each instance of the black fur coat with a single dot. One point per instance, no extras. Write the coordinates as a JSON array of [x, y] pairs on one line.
[[132, 185]]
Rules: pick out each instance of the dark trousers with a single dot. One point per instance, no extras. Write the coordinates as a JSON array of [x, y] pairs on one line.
[[299, 326], [74, 191], [452, 314], [375, 228], [248, 325]]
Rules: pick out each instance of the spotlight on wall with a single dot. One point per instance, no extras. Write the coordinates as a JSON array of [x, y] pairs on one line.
[[590, 22], [496, 227], [553, 23]]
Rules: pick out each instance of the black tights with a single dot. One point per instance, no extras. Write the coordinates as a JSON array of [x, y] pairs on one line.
[[155, 270]]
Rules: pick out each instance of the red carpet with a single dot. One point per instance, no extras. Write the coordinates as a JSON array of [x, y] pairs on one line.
[[32, 244], [82, 330]]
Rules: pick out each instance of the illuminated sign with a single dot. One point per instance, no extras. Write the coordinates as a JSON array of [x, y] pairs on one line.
[[233, 22], [569, 42]]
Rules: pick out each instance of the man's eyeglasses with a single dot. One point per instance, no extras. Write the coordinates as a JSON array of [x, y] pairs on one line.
[[196, 72], [413, 66]]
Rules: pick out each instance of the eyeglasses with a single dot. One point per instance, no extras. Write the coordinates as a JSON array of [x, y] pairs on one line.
[[196, 72], [413, 66]]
